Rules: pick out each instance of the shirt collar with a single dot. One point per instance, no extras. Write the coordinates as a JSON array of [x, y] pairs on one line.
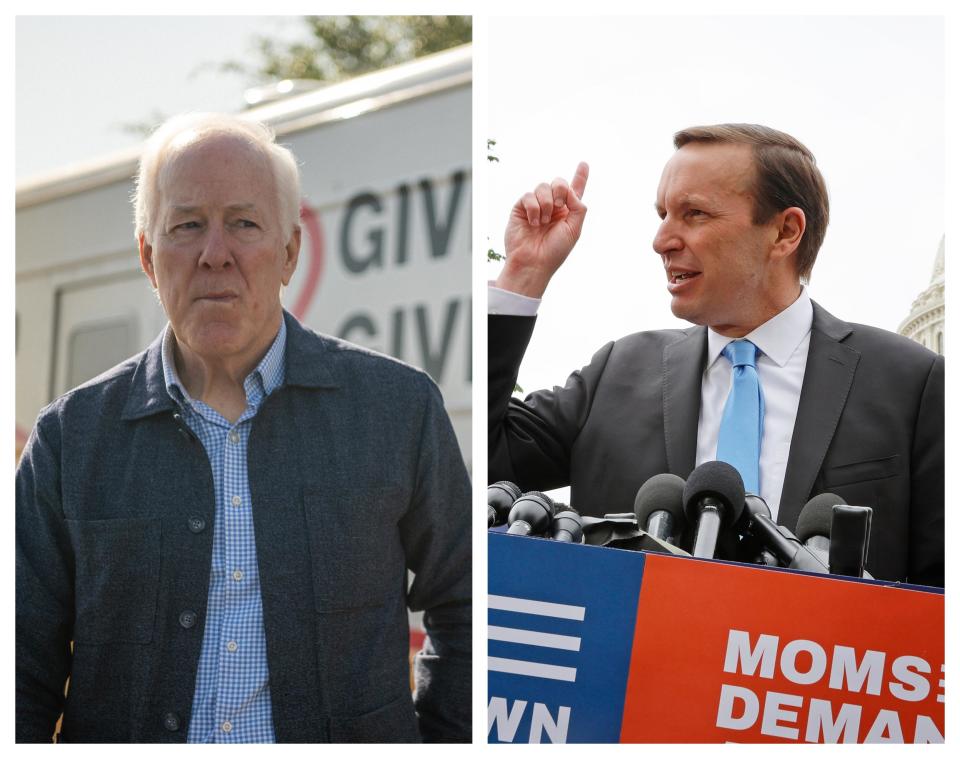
[[777, 338], [269, 372]]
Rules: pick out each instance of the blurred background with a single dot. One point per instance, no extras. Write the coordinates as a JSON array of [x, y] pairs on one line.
[[376, 109]]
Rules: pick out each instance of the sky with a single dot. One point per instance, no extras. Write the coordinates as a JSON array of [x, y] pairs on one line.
[[865, 94], [98, 73]]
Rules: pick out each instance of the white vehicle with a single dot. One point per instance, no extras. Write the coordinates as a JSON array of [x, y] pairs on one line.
[[385, 260]]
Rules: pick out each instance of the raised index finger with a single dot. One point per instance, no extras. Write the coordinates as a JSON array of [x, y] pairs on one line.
[[579, 182]]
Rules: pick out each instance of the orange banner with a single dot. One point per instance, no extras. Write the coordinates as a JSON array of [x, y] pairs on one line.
[[728, 653]]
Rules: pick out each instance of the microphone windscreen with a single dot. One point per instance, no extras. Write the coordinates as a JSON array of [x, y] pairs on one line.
[[543, 497], [662, 492], [502, 492], [714, 479], [816, 516], [500, 498], [506, 487], [567, 520], [535, 509]]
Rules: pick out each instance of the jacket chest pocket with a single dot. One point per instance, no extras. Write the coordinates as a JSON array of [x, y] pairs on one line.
[[861, 471], [117, 578], [355, 551]]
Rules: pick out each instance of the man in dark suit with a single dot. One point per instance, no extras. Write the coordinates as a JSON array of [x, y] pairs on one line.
[[846, 408]]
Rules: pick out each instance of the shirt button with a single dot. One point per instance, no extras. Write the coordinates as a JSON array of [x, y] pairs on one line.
[[237, 575], [232, 646], [226, 727], [188, 619], [236, 501], [234, 437], [171, 722], [196, 524]]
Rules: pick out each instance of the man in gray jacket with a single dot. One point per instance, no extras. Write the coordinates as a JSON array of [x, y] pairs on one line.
[[213, 537]]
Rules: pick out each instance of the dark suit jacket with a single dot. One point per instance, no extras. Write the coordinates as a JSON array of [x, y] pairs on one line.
[[869, 428], [355, 476]]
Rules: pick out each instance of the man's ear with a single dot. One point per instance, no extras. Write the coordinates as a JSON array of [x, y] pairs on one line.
[[791, 223], [146, 259], [292, 255]]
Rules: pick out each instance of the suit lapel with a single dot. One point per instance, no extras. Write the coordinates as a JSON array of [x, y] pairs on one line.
[[682, 379], [826, 384]]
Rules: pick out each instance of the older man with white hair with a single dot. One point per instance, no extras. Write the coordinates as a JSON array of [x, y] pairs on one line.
[[213, 537]]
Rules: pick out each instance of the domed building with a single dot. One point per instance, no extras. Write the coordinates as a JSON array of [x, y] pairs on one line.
[[926, 324]]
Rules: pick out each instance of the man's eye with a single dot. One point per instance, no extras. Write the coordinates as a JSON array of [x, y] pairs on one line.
[[247, 224], [187, 225]]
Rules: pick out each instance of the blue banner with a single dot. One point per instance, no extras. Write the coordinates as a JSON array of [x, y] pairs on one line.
[[560, 638]]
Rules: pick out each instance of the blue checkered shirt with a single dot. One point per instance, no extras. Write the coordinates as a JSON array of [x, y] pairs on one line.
[[231, 700]]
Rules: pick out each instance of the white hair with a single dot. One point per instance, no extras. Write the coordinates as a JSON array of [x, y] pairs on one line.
[[195, 127]]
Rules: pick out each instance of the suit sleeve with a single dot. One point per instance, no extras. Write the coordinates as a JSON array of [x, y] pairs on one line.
[[530, 441], [926, 559], [436, 534], [44, 588]]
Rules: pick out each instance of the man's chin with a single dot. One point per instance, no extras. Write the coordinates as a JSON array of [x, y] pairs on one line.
[[685, 310], [214, 339]]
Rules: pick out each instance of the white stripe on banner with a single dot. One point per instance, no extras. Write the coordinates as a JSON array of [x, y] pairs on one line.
[[542, 608], [532, 638], [531, 669]]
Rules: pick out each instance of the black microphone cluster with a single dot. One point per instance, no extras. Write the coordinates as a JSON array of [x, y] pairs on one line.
[[532, 513], [710, 516], [711, 511]]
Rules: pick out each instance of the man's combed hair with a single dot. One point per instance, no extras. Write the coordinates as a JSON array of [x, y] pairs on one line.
[[786, 176], [185, 129]]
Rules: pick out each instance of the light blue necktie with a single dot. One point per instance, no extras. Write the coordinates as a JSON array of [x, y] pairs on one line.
[[741, 428]]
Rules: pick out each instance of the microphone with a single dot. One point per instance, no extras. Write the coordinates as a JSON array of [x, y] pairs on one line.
[[500, 497], [531, 514], [659, 507], [713, 498], [750, 546], [567, 524], [785, 546], [849, 539], [814, 522]]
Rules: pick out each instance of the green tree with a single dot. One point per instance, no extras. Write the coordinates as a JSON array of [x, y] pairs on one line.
[[345, 46], [339, 47]]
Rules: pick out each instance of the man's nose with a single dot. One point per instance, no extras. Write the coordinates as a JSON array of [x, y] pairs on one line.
[[666, 239], [216, 252]]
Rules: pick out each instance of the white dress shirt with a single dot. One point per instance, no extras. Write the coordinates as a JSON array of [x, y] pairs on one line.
[[783, 341]]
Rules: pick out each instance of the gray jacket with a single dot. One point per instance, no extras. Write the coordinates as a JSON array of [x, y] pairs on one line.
[[355, 476], [869, 429]]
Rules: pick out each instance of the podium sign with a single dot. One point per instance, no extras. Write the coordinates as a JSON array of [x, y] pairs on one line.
[[599, 645]]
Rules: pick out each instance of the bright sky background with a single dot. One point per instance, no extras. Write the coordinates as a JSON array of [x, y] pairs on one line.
[[865, 94], [96, 73]]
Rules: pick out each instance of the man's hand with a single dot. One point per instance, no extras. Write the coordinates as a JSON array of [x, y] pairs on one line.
[[544, 226]]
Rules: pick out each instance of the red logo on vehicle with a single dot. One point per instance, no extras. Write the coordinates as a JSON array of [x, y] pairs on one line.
[[315, 259]]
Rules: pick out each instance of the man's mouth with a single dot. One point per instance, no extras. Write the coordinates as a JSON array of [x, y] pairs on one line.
[[217, 296], [682, 276]]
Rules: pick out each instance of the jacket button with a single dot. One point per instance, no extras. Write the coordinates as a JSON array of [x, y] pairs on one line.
[[196, 524], [171, 722], [188, 619]]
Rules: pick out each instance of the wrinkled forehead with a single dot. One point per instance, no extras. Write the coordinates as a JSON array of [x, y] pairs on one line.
[[708, 169], [214, 167]]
